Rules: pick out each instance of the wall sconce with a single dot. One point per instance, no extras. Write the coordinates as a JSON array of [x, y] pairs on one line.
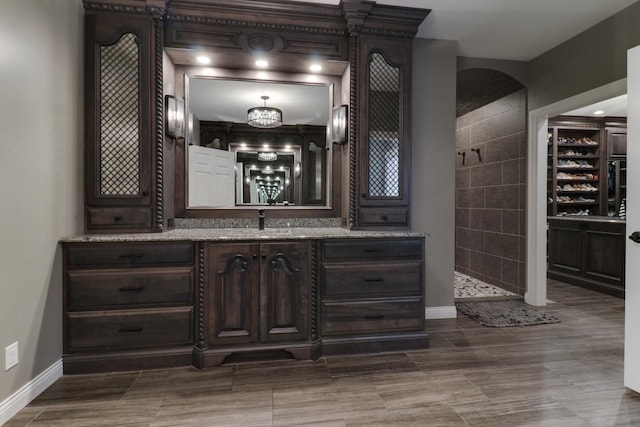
[[174, 117], [339, 124]]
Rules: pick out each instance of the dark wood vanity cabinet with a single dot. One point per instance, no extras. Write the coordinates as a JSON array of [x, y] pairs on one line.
[[127, 306], [371, 295], [258, 299], [588, 253], [122, 178]]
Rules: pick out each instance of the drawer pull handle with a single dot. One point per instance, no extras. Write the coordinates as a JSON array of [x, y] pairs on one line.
[[368, 251], [131, 256], [385, 218], [374, 279], [130, 330], [117, 218], [132, 289], [374, 317]]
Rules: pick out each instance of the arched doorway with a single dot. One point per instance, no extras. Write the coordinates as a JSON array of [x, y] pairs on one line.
[[491, 138]]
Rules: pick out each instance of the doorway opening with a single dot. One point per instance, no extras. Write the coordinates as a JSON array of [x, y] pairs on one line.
[[537, 197], [490, 260]]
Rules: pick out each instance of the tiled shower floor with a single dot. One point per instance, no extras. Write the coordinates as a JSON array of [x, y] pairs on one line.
[[468, 288]]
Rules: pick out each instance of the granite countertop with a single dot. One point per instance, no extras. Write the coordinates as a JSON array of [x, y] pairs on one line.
[[231, 234], [589, 218]]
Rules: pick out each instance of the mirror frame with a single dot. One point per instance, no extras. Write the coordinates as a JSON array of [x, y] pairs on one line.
[[183, 74]]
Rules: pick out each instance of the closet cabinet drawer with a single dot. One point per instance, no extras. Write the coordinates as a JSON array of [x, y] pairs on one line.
[[368, 249], [129, 254], [102, 289], [121, 329], [375, 280], [397, 217], [118, 217], [363, 317]]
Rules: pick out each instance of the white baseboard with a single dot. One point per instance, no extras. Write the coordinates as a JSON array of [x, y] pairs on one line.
[[21, 398], [445, 312]]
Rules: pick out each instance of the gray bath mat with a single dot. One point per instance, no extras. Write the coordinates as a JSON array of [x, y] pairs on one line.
[[504, 314]]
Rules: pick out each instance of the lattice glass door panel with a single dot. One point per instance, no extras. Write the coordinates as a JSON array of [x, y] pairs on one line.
[[119, 118], [384, 132]]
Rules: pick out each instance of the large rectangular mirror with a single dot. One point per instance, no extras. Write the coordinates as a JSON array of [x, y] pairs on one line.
[[257, 143]]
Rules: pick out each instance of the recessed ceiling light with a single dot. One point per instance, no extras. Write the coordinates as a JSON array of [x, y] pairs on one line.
[[203, 59], [315, 68], [599, 112], [262, 63]]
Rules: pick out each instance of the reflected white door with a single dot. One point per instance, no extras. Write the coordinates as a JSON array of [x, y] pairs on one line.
[[211, 177]]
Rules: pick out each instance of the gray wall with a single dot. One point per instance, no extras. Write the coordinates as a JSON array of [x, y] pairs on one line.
[[433, 162], [591, 59], [491, 193], [40, 176]]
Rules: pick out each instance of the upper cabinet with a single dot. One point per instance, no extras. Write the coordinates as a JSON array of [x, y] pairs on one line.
[[137, 175], [121, 190]]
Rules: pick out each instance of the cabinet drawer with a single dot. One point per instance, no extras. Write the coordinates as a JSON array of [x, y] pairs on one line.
[[130, 328], [340, 250], [129, 254], [124, 217], [362, 317], [384, 216], [380, 279], [86, 289]]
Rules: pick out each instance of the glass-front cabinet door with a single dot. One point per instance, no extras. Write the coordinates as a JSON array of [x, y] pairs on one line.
[[385, 134]]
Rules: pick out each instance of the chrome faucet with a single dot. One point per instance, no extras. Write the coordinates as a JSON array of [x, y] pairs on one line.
[[260, 219]]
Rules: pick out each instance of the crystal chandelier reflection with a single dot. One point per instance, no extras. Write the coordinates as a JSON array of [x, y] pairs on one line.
[[267, 156], [264, 117]]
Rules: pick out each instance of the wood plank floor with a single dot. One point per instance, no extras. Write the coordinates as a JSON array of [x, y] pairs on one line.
[[566, 374]]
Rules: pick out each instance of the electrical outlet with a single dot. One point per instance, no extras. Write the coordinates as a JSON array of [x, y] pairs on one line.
[[11, 356]]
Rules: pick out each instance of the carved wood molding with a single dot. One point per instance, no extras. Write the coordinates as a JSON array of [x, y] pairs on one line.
[[314, 290], [368, 17], [353, 132], [200, 304], [155, 8], [159, 126]]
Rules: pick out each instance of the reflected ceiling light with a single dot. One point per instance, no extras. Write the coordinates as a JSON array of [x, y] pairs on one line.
[[204, 60], [599, 112], [315, 68], [264, 117], [261, 63], [267, 156], [243, 145]]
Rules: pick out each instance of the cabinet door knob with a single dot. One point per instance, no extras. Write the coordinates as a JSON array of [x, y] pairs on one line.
[[117, 218], [385, 218], [145, 193], [635, 236]]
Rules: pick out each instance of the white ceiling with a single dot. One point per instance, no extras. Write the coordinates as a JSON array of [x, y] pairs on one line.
[[614, 107], [507, 29]]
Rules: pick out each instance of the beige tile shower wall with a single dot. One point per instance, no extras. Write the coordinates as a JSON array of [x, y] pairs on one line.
[[491, 193]]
